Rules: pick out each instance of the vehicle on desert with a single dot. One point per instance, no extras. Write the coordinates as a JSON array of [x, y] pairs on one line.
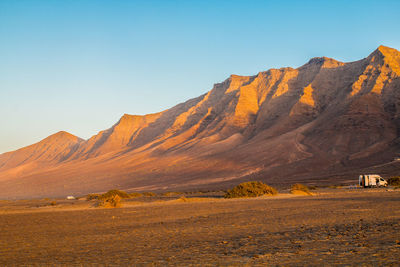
[[371, 180]]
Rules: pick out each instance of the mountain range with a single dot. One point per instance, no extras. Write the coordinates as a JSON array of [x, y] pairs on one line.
[[324, 122]]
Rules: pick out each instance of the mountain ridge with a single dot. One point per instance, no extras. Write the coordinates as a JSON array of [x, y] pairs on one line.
[[324, 116]]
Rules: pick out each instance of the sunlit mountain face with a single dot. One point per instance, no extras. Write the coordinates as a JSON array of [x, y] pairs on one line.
[[326, 120]]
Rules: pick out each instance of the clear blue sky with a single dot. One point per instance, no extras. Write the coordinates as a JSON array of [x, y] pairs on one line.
[[80, 65]]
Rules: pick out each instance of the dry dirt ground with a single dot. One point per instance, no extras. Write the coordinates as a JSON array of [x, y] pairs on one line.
[[334, 227]]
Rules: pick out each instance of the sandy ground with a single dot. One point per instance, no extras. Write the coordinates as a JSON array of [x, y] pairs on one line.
[[334, 227]]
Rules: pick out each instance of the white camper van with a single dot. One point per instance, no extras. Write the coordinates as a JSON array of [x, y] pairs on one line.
[[371, 180]]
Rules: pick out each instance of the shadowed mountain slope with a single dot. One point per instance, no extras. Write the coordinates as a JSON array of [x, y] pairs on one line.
[[323, 121]]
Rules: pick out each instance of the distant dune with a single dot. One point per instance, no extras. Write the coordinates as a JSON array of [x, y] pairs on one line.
[[324, 121]]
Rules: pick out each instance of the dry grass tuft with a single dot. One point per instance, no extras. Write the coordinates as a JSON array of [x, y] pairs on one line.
[[114, 192], [183, 199], [193, 199], [149, 194], [250, 189], [135, 194], [394, 181], [109, 194], [111, 202], [93, 196], [300, 189], [172, 194], [111, 199]]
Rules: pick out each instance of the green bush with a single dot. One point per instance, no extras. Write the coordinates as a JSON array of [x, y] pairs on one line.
[[250, 189], [300, 187], [394, 181]]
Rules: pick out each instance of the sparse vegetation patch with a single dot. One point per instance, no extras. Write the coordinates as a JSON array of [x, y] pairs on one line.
[[149, 194], [172, 194], [135, 194], [110, 199], [114, 192], [111, 202], [251, 189], [300, 189], [183, 199], [109, 194], [93, 196], [394, 181]]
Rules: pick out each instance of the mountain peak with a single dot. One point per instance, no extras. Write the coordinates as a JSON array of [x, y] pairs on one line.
[[385, 52], [317, 60], [323, 62], [63, 135], [386, 55], [128, 118]]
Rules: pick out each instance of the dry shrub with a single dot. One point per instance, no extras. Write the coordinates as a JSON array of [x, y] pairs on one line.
[[196, 199], [114, 192], [135, 194], [111, 202], [149, 194], [183, 199], [108, 195], [250, 189], [300, 189], [53, 203], [171, 194], [93, 196], [394, 181]]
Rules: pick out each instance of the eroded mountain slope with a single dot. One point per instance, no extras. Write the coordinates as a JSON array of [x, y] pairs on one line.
[[322, 119]]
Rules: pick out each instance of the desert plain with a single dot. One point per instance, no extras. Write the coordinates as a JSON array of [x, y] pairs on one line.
[[344, 226]]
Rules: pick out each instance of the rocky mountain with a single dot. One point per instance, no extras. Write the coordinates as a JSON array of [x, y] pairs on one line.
[[323, 122], [50, 150]]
